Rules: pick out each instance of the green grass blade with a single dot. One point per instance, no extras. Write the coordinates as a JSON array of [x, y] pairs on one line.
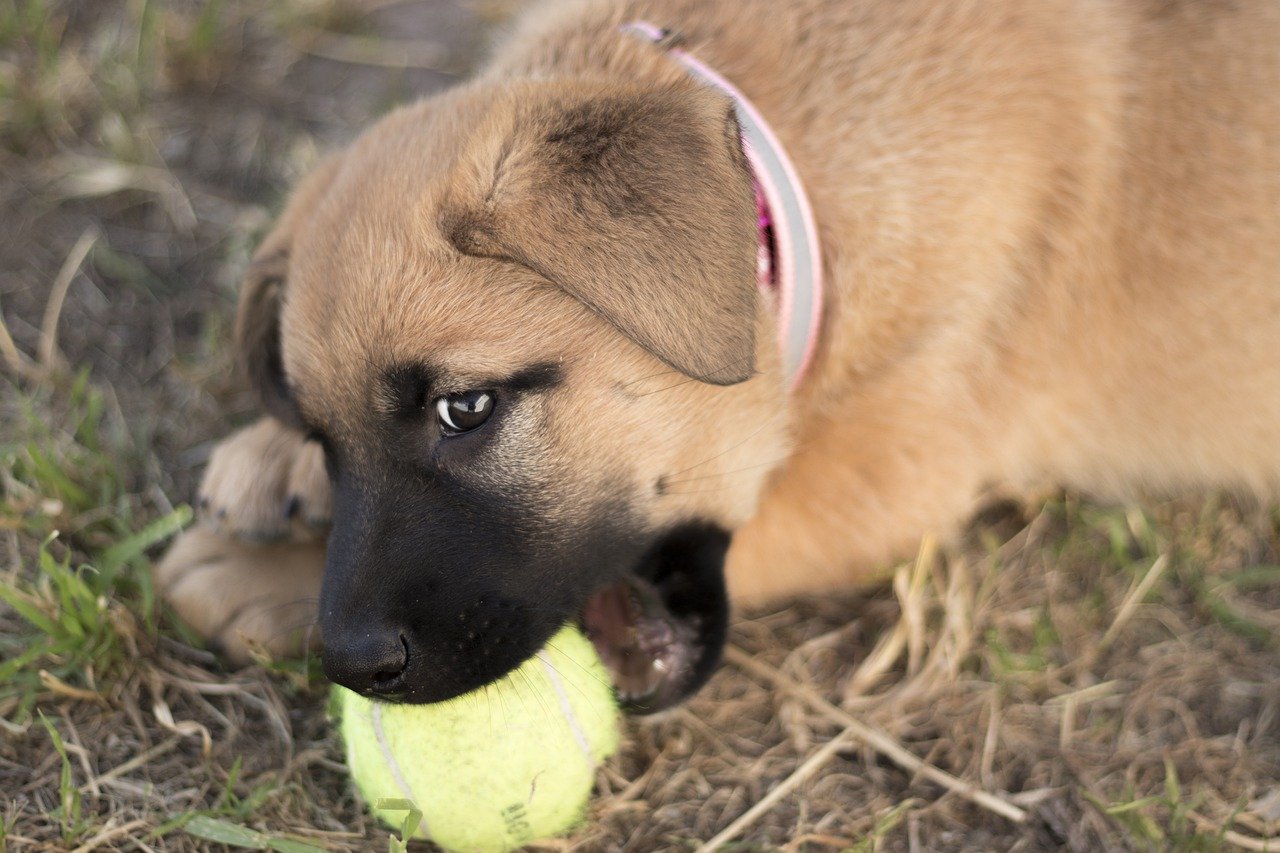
[[225, 832], [27, 610], [131, 548]]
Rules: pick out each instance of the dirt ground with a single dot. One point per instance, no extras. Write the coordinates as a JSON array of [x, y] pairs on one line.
[[1108, 676]]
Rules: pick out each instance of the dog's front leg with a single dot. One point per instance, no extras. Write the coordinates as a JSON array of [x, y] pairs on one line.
[[266, 483], [856, 496], [247, 575], [243, 597]]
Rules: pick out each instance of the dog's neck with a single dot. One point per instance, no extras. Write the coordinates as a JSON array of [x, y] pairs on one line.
[[789, 260]]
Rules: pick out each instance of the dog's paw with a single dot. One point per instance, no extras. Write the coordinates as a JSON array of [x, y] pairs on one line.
[[241, 597], [266, 483]]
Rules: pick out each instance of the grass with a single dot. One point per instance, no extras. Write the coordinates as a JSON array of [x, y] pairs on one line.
[[64, 488], [82, 631], [88, 700], [79, 634], [1110, 671]]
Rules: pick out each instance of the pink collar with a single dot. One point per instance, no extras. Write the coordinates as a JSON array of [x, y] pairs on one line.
[[789, 261]]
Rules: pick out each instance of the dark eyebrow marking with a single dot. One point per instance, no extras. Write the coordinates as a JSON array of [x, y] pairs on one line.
[[537, 377], [409, 387]]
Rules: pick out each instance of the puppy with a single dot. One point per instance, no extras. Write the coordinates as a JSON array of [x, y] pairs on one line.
[[531, 330]]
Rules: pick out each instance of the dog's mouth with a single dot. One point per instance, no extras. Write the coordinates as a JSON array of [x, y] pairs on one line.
[[660, 630], [647, 649]]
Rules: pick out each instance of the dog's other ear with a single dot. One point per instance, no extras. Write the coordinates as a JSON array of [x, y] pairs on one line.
[[257, 335], [638, 201], [262, 294]]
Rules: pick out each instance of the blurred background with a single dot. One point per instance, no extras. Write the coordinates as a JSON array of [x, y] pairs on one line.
[[1111, 673]]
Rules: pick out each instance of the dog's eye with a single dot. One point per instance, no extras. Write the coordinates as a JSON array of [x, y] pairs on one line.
[[460, 413]]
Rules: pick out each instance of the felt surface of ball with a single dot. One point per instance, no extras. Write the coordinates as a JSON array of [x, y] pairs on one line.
[[495, 769]]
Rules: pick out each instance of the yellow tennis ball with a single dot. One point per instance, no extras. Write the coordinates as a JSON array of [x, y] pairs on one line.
[[495, 769]]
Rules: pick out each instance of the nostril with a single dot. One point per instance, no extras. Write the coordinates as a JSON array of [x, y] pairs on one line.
[[369, 662], [386, 678]]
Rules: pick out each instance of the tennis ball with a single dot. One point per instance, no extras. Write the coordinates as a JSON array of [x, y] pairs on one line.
[[497, 768]]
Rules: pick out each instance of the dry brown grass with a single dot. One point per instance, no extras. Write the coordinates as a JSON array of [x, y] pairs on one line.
[[1071, 676]]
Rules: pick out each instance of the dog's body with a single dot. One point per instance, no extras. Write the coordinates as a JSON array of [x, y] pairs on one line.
[[1051, 230]]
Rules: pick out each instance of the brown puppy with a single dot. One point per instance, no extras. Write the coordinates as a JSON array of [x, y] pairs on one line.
[[1051, 230]]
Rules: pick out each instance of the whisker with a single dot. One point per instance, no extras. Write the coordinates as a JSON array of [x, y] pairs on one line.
[[528, 683], [707, 491], [577, 687], [763, 425], [685, 381], [631, 382], [315, 602], [579, 664], [307, 627], [767, 463], [667, 387]]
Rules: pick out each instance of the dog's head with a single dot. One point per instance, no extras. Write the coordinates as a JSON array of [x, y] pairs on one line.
[[523, 323]]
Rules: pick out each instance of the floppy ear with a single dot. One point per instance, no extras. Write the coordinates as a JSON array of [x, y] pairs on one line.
[[637, 201], [257, 335], [262, 294]]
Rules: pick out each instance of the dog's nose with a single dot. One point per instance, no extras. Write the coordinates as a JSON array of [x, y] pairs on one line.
[[371, 662]]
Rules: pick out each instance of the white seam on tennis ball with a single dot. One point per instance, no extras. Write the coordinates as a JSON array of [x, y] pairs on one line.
[[394, 766], [565, 708]]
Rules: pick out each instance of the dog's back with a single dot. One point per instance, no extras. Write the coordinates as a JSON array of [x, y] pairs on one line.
[[1186, 319], [1063, 212]]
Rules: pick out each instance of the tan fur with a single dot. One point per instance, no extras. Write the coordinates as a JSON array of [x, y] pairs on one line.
[[244, 597], [1052, 235], [262, 481]]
